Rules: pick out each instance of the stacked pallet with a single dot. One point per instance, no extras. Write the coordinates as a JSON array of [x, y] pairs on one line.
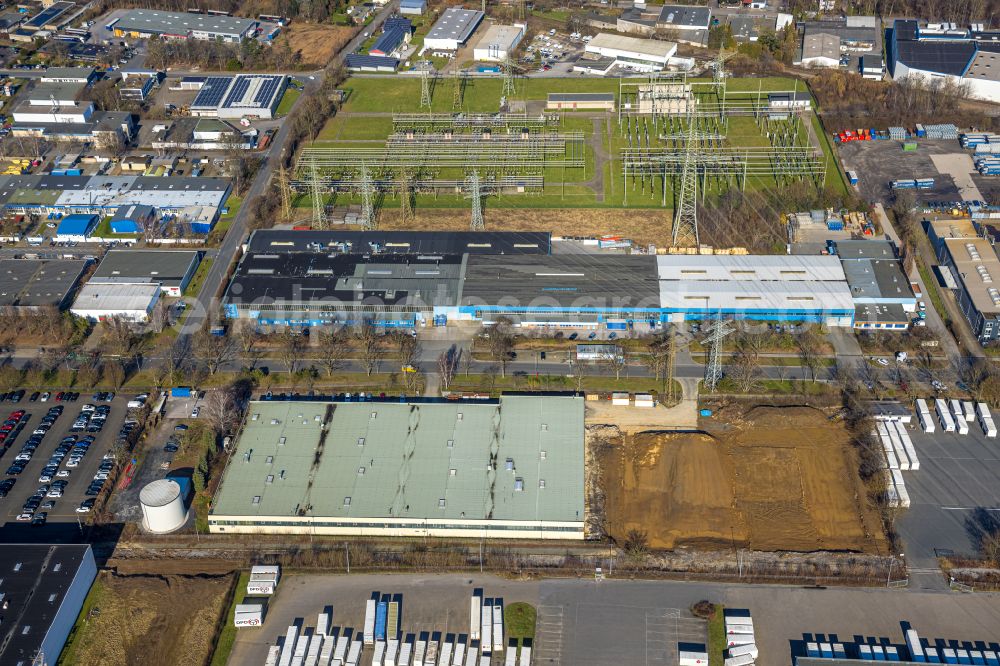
[[941, 131]]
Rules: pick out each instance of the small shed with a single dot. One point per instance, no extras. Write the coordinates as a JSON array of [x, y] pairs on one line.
[[412, 6], [76, 228]]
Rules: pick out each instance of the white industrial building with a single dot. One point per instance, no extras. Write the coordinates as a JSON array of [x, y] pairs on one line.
[[244, 95], [453, 29], [763, 287], [645, 55], [509, 468], [132, 302], [498, 42]]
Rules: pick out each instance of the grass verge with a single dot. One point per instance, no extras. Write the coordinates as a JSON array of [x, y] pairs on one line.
[[716, 635], [930, 284], [519, 619], [198, 279], [227, 637], [288, 101]]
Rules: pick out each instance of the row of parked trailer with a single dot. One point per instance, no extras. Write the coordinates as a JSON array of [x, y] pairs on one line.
[[900, 455], [741, 643], [988, 166], [912, 184], [915, 650], [955, 416], [326, 645]]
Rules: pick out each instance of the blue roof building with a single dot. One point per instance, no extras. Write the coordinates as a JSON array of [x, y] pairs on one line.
[[132, 219], [412, 6], [76, 227], [390, 40]]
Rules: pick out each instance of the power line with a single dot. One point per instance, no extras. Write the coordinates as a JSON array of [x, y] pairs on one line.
[[425, 89], [319, 214], [367, 199], [713, 369], [685, 228], [475, 193]]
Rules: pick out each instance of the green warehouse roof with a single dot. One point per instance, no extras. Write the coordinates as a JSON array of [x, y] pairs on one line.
[[410, 460]]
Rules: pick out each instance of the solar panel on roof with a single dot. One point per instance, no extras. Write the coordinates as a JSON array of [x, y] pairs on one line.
[[237, 91], [211, 93]]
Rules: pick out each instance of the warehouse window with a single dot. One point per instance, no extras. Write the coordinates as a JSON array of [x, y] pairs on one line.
[[361, 441], [269, 479], [451, 443], [347, 501], [441, 503], [255, 500]]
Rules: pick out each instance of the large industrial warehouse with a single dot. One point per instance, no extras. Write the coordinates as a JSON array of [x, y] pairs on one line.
[[409, 280], [505, 468], [251, 95]]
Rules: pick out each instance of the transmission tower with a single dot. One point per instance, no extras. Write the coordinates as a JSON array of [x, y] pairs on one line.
[[425, 89], [367, 199], [685, 231], [713, 370], [475, 193], [319, 213], [458, 90], [508, 78], [405, 201], [286, 194], [671, 361]]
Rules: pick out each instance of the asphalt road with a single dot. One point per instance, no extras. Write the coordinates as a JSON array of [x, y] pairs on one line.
[[206, 303], [589, 623]]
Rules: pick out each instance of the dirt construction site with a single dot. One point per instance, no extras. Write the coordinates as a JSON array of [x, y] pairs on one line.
[[150, 620], [765, 478]]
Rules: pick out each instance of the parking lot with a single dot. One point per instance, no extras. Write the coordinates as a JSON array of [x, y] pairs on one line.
[[588, 623], [958, 475], [79, 476], [878, 162]]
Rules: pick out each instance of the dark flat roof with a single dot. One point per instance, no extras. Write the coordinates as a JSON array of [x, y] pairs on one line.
[[130, 266], [35, 589], [436, 242], [563, 281], [287, 279], [30, 282]]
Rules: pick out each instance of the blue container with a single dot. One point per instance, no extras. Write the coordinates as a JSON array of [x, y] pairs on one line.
[[705, 412], [180, 392], [835, 225], [380, 617]]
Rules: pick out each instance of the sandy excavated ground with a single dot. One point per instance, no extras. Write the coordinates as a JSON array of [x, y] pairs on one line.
[[780, 479], [154, 620]]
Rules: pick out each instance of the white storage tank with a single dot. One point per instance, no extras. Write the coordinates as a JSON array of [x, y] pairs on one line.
[[162, 506]]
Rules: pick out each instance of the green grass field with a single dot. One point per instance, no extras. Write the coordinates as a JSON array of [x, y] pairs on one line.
[[287, 101]]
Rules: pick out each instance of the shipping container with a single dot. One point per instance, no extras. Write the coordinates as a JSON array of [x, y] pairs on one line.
[[852, 177], [977, 657], [354, 654], [745, 660], [926, 421], [969, 410], [459, 658], [497, 627], [740, 650], [510, 659], [419, 650], [472, 656], [484, 660], [323, 624], [486, 627], [891, 653], [431, 656], [525, 659], [273, 653], [812, 649], [312, 654], [962, 426], [405, 652], [991, 658], [931, 655], [947, 422], [740, 639], [392, 621], [826, 650], [369, 632], [838, 651], [897, 447], [326, 654], [340, 651], [865, 652], [988, 426], [447, 647], [911, 451], [381, 612], [391, 652], [378, 656], [475, 616], [288, 649], [963, 656], [248, 615]]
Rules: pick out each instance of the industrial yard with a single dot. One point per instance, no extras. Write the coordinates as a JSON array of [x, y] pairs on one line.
[[770, 479]]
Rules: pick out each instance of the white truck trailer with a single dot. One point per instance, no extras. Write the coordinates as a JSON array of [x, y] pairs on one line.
[[369, 632], [944, 415], [497, 627], [911, 451], [475, 616]]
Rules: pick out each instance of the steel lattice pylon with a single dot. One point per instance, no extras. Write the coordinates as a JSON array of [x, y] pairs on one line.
[[319, 214], [425, 89], [508, 78], [713, 370], [685, 228], [475, 193], [367, 199]]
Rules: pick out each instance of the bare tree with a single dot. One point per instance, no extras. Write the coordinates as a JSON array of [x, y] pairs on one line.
[[120, 336], [223, 408], [290, 347], [250, 341], [616, 362], [408, 348], [744, 370], [334, 347], [214, 350], [158, 317], [447, 365], [500, 340], [809, 348], [371, 346]]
